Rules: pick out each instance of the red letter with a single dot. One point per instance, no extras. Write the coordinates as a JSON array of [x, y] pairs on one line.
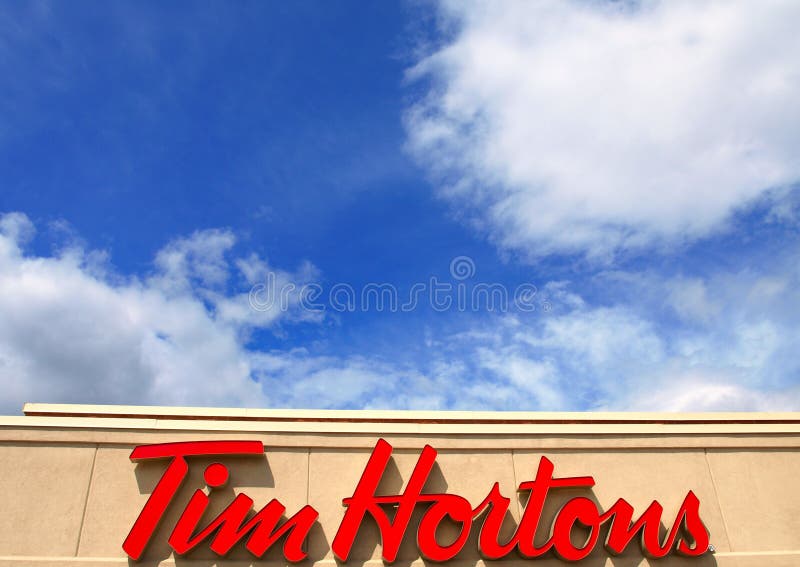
[[460, 510], [172, 479], [526, 532], [489, 538], [363, 501], [580, 510], [622, 531], [689, 515], [231, 527]]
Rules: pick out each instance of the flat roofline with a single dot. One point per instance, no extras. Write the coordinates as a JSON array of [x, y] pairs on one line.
[[404, 416]]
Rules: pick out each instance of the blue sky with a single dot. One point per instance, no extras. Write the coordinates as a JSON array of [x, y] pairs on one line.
[[635, 164]]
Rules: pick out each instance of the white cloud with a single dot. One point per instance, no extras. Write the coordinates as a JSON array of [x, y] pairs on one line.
[[589, 127], [690, 299], [602, 336], [726, 341], [536, 381], [198, 259], [73, 331], [68, 334], [299, 379], [701, 392]]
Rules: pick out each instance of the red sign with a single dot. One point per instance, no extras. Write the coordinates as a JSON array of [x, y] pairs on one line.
[[687, 535]]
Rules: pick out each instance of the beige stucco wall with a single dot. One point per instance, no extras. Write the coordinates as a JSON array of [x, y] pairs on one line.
[[71, 494]]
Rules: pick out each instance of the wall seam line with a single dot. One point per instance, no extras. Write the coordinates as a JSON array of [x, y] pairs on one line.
[[514, 476], [719, 502], [306, 543], [308, 475], [86, 500]]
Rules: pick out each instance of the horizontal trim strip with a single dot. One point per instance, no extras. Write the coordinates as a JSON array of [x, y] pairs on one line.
[[407, 417], [788, 431], [456, 421]]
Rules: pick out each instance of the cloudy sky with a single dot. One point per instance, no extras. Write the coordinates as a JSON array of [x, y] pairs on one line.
[[539, 205]]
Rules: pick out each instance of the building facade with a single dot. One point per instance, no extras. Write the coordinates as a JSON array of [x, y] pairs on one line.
[[75, 492]]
